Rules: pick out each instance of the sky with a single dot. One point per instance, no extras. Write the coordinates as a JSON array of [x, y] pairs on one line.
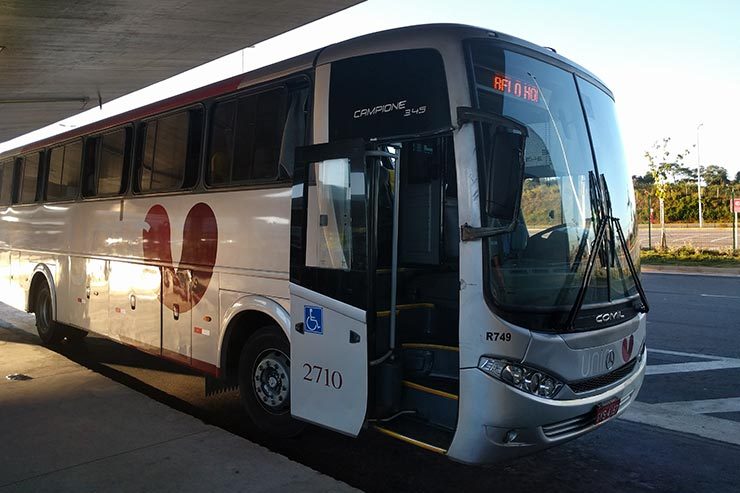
[[672, 65]]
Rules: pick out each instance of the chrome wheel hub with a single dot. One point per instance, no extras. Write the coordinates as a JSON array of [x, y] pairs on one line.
[[272, 381]]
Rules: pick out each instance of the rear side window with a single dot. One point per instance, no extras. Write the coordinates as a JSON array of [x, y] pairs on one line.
[[29, 177], [106, 164], [170, 152], [246, 136], [6, 182], [63, 181]]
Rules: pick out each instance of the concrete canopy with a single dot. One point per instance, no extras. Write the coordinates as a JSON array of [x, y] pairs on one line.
[[56, 57]]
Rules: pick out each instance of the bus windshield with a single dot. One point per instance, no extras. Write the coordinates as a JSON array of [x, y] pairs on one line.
[[539, 266]]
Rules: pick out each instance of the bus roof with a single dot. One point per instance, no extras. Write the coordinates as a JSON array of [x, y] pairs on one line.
[[344, 49]]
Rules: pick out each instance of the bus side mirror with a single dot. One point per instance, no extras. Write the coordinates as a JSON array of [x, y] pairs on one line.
[[506, 173]]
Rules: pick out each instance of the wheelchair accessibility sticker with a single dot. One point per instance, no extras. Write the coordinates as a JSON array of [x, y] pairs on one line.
[[312, 319]]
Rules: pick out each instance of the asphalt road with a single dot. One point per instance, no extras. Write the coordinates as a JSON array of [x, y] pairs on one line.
[[709, 238], [684, 433]]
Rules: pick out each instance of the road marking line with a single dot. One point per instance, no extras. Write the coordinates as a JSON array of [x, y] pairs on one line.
[[721, 430], [647, 270], [723, 364], [690, 355], [712, 363], [720, 296], [726, 405]]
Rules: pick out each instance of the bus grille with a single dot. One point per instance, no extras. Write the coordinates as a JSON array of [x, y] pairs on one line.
[[579, 423], [603, 380], [568, 426]]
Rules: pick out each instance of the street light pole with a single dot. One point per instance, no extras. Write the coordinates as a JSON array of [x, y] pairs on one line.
[[698, 174]]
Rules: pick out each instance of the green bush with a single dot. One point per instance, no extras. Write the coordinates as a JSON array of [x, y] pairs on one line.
[[689, 255], [682, 203]]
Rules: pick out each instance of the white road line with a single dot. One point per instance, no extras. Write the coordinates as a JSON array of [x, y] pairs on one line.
[[721, 430], [720, 296], [712, 363], [723, 364], [646, 270], [726, 405], [690, 355]]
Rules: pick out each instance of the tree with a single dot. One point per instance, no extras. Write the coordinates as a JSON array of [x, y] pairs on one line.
[[686, 174], [662, 163], [737, 178], [715, 175], [645, 180]]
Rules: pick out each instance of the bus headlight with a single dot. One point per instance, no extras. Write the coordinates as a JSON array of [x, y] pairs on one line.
[[532, 381]]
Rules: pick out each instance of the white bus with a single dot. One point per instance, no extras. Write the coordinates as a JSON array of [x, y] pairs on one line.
[[429, 232]]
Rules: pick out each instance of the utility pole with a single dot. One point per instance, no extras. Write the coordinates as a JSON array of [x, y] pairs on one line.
[[650, 222], [698, 174], [734, 221]]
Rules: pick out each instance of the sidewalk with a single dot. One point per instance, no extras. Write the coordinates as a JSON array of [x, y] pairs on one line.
[[70, 429]]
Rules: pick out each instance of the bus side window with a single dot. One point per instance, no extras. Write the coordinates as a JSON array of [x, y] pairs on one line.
[[27, 191], [112, 162], [6, 183], [106, 159], [170, 152], [294, 130], [222, 144], [89, 162], [63, 180], [245, 139]]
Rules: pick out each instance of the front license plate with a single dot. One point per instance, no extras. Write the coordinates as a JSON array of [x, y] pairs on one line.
[[607, 410]]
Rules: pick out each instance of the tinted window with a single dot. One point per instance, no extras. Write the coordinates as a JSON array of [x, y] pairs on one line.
[[29, 178], [246, 135], [64, 172], [170, 155], [6, 182], [388, 94], [105, 164]]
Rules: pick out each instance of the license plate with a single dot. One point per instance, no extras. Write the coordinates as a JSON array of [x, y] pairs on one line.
[[607, 410]]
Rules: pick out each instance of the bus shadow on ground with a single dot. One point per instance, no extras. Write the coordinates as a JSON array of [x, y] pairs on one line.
[[94, 350]]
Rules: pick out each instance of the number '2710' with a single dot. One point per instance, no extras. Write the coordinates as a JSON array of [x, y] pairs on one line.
[[321, 375]]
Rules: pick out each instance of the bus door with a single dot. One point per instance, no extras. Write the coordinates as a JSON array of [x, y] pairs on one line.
[[330, 286]]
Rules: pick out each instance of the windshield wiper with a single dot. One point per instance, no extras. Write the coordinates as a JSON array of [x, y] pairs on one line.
[[590, 261], [623, 242], [605, 220], [597, 213]]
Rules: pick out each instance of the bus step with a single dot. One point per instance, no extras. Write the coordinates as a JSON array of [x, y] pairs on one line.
[[418, 433], [405, 307], [435, 399], [431, 360]]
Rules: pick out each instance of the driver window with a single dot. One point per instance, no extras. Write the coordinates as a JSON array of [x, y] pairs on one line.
[[329, 232]]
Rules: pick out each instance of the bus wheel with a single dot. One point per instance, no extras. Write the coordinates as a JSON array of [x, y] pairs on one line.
[[264, 382], [49, 331]]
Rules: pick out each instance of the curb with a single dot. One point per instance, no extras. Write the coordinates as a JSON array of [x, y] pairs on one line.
[[691, 270]]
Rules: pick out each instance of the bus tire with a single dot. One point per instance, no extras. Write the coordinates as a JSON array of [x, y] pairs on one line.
[[264, 382], [49, 331]]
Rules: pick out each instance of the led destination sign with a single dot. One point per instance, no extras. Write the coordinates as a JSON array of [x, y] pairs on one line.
[[515, 87]]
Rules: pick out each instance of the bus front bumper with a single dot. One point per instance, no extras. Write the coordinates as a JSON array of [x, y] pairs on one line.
[[498, 422]]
